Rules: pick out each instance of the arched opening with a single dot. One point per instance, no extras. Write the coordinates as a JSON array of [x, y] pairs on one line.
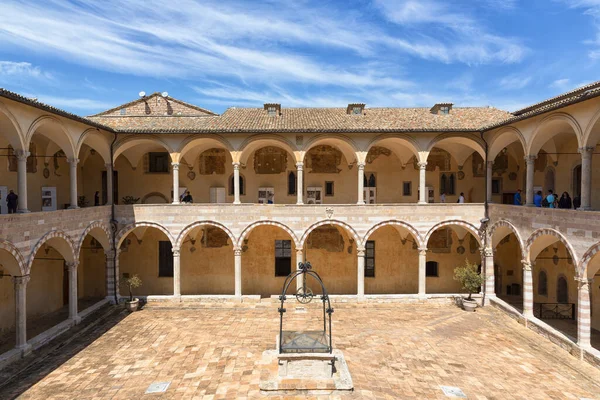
[[147, 252], [508, 266], [330, 172], [332, 251], [558, 307], [549, 182], [11, 140], [94, 156], [268, 257], [391, 261], [91, 273], [207, 264], [48, 287], [507, 151], [9, 267], [576, 183], [449, 246], [593, 275], [232, 185]]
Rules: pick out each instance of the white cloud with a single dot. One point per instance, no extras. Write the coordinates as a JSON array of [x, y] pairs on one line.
[[12, 70], [72, 103], [561, 84], [591, 8], [514, 82]]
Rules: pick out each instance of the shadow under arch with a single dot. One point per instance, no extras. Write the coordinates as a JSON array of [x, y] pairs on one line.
[[256, 224], [129, 228], [60, 241], [12, 249], [341, 224], [396, 223], [544, 237], [99, 231], [455, 222], [502, 228], [193, 225]]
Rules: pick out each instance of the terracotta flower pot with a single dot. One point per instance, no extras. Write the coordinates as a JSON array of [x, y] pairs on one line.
[[469, 305], [132, 305]]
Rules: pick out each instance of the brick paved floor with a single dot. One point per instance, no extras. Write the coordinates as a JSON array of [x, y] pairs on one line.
[[393, 351]]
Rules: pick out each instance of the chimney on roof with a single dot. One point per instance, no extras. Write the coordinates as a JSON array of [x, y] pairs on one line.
[[355, 108], [272, 109], [441, 108]]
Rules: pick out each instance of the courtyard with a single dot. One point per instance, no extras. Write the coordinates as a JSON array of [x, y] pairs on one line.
[[214, 351]]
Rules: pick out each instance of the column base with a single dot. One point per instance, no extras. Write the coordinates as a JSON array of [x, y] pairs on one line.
[[176, 202], [237, 202], [76, 320], [584, 209], [422, 202], [530, 205], [25, 349], [360, 203], [299, 203], [72, 207], [23, 211]]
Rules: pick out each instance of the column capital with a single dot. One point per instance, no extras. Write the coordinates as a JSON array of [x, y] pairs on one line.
[[487, 251], [110, 254], [299, 165], [301, 251], [236, 165], [490, 164], [422, 250], [73, 161], [360, 251], [21, 280], [22, 155], [72, 265], [530, 159], [237, 251], [108, 166], [584, 283], [176, 252], [361, 165], [175, 165], [422, 164], [526, 265], [586, 151]]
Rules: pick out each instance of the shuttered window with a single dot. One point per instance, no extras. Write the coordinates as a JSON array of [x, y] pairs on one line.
[[283, 257], [370, 259]]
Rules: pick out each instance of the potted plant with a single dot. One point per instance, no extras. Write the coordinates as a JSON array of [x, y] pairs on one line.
[[471, 281], [133, 282]]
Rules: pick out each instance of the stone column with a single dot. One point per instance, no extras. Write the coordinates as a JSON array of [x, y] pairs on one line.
[[73, 311], [586, 178], [422, 271], [176, 273], [530, 160], [487, 255], [584, 315], [109, 184], [236, 183], [175, 182], [111, 284], [361, 273], [361, 183], [73, 176], [299, 183], [422, 180], [299, 259], [490, 165], [527, 289], [237, 259], [20, 283], [21, 181]]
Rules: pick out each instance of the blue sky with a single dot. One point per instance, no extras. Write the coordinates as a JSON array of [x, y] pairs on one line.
[[86, 56]]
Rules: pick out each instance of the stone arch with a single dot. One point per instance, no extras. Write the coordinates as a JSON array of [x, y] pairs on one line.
[[256, 142], [475, 143], [591, 139], [63, 244], [96, 141], [196, 224], [341, 224], [402, 224], [540, 136], [253, 225], [9, 123], [12, 249], [129, 228], [205, 142], [343, 143], [393, 142], [583, 269], [60, 136], [155, 194], [503, 226], [463, 224], [548, 232], [94, 229], [131, 141], [504, 137]]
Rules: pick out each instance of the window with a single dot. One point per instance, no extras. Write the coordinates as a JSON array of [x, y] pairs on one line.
[[283, 257], [158, 162], [406, 188], [292, 183], [272, 111], [542, 284], [370, 259], [445, 110], [232, 188], [165, 259], [356, 110], [371, 182], [329, 188], [431, 268], [496, 185], [123, 111], [448, 183]]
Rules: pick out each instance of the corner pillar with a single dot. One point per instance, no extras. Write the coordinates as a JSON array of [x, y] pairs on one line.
[[487, 255], [530, 161], [584, 313], [586, 178], [73, 311], [110, 190], [360, 292], [236, 183], [175, 166], [490, 166], [299, 259], [361, 183], [299, 182], [22, 180], [20, 283], [112, 273], [237, 259], [73, 177], [422, 180], [527, 289], [422, 271], [176, 272]]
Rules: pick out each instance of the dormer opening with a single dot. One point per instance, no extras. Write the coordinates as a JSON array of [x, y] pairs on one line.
[[273, 109], [355, 108], [441, 108]]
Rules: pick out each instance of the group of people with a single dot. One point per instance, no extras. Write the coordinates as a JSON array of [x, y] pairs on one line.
[[461, 198], [551, 200]]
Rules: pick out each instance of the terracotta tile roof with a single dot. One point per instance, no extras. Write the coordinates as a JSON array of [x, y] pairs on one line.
[[313, 120], [150, 96]]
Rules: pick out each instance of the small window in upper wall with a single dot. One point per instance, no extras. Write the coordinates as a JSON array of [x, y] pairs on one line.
[[431, 268], [444, 110], [123, 111], [283, 257], [272, 111], [496, 185], [407, 189], [356, 110], [329, 188], [158, 162], [370, 259]]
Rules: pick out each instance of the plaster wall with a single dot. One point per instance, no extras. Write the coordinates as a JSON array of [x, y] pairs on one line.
[[45, 290]]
